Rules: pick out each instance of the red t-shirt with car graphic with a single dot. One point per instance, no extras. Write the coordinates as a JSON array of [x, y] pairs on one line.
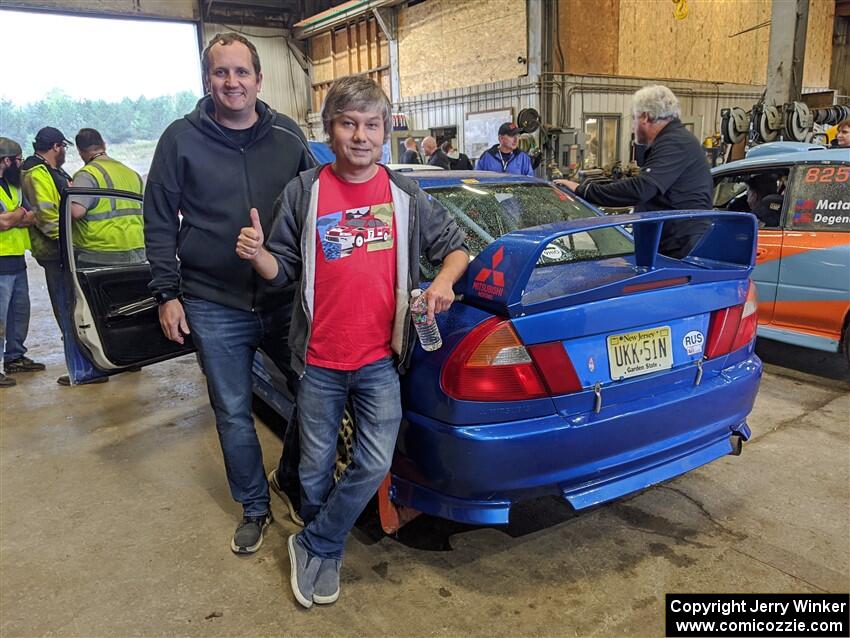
[[354, 300]]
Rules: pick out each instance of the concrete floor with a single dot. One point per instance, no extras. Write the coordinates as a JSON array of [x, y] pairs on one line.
[[115, 520]]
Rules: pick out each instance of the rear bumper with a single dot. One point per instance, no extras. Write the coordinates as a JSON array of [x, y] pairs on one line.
[[474, 474]]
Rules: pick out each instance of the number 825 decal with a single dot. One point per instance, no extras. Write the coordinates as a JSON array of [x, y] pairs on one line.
[[827, 175]]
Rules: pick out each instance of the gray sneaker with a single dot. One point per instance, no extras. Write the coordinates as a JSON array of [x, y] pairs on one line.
[[288, 500], [327, 582], [303, 570], [249, 534]]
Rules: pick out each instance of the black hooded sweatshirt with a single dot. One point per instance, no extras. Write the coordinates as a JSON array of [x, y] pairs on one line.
[[200, 172]]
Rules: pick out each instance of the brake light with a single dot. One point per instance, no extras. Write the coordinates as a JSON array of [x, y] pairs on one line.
[[492, 364], [655, 285], [733, 328]]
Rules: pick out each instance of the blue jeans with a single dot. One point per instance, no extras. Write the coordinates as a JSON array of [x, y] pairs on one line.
[[227, 339], [14, 315], [62, 300], [55, 287], [329, 510]]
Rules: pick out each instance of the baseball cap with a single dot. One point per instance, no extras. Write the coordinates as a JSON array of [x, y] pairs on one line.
[[48, 136], [9, 148], [509, 128]]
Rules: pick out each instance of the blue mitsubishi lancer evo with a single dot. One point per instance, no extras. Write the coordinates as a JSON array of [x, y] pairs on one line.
[[578, 361]]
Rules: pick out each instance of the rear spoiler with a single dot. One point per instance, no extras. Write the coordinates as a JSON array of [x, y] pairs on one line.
[[497, 278]]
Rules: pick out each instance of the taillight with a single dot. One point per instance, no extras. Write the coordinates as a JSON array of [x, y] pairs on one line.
[[732, 328], [749, 320], [492, 364], [555, 365]]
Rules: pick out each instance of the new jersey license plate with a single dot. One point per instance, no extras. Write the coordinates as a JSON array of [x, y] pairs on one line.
[[642, 352]]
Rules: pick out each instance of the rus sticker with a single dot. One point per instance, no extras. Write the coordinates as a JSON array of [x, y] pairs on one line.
[[693, 342]]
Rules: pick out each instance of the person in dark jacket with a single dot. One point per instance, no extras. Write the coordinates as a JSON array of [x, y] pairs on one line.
[[505, 157], [459, 161], [435, 155], [351, 332], [674, 174], [411, 154], [229, 157], [764, 199]]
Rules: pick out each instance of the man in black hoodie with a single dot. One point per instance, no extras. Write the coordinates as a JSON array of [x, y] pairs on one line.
[[227, 160]]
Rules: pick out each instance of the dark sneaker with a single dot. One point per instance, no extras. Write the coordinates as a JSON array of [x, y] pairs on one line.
[[303, 570], [288, 500], [7, 382], [326, 590], [24, 364], [66, 380], [249, 534]]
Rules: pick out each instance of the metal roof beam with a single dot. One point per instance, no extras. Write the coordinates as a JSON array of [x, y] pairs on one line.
[[387, 21], [338, 16]]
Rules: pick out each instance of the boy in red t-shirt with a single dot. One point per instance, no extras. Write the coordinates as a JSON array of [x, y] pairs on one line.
[[351, 233]]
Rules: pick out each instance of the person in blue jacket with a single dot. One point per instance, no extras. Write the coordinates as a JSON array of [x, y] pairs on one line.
[[504, 157]]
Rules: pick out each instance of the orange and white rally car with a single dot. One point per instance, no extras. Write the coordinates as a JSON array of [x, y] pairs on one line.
[[803, 256]]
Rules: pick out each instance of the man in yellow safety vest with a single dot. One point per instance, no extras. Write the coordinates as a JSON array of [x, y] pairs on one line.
[[106, 230], [14, 287], [44, 182]]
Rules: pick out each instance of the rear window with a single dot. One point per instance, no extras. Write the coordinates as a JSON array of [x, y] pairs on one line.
[[821, 198], [488, 211]]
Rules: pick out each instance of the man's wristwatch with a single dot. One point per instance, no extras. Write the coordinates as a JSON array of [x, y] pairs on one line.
[[162, 297]]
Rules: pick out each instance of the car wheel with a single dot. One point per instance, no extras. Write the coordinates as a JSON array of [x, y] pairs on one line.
[[846, 342], [358, 241], [344, 443], [386, 235]]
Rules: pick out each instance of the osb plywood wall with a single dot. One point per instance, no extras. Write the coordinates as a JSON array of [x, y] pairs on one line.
[[654, 44], [448, 44], [589, 37], [819, 43], [358, 48]]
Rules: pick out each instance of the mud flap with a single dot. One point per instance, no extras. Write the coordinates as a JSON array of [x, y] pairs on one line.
[[393, 517], [737, 442]]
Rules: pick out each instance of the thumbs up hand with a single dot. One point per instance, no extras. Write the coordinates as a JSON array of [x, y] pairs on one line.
[[251, 238]]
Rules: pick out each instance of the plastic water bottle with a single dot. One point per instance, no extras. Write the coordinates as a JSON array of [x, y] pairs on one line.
[[429, 333]]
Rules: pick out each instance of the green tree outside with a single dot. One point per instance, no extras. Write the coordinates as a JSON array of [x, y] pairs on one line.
[[131, 125]]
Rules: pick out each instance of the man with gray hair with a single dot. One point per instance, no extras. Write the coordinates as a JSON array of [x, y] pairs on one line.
[[350, 334], [674, 175]]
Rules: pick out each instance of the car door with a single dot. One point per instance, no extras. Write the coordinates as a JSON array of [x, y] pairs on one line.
[[813, 292], [115, 318], [730, 192]]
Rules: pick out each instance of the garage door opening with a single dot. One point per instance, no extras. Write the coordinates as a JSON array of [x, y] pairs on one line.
[[129, 79]]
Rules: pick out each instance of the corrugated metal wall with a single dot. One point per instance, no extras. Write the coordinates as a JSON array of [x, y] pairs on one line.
[[285, 86], [569, 97], [450, 108]]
